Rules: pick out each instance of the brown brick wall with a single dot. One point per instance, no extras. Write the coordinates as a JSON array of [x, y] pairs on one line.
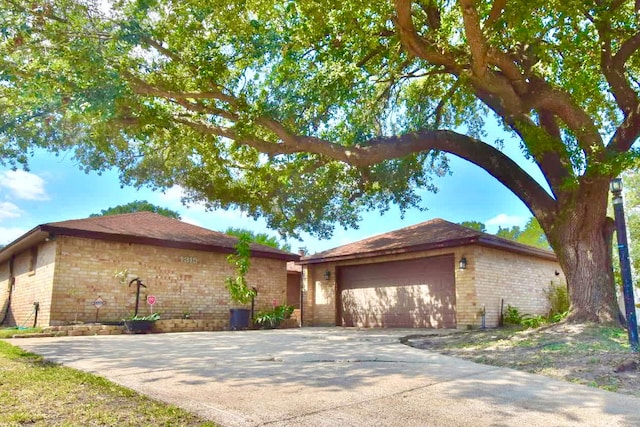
[[30, 286], [181, 280], [490, 275], [520, 280]]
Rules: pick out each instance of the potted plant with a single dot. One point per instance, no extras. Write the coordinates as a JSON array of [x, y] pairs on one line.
[[141, 324], [239, 290], [272, 318], [136, 324]]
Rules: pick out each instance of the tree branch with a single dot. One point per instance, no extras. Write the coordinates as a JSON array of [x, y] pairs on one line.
[[498, 165], [413, 42], [141, 87], [613, 67], [378, 150], [496, 11], [475, 38], [554, 162], [559, 103], [627, 133]]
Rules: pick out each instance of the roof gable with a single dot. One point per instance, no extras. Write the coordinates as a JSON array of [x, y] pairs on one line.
[[433, 234]]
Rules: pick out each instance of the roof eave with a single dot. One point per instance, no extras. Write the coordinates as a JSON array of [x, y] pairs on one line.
[[24, 242], [396, 251], [480, 240], [518, 248]]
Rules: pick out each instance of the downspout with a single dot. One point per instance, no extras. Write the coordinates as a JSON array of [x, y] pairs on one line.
[[302, 299], [12, 282]]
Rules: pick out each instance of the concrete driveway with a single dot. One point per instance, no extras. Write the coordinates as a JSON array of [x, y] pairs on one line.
[[331, 377]]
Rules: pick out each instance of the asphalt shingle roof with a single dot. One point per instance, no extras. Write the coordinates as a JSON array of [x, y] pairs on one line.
[[433, 234], [154, 229]]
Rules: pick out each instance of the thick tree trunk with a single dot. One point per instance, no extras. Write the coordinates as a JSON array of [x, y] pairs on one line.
[[581, 237]]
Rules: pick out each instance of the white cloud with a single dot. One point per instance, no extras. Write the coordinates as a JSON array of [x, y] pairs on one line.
[[190, 220], [9, 234], [172, 198], [173, 194], [24, 185], [506, 221], [9, 210]]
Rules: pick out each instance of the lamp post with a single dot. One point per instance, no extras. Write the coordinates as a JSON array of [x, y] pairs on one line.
[[625, 266]]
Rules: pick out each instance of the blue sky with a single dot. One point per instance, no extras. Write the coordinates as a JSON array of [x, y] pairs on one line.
[[56, 190]]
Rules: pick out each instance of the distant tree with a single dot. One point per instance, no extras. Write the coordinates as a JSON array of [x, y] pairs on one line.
[[261, 238], [476, 225], [138, 206], [509, 233], [531, 234]]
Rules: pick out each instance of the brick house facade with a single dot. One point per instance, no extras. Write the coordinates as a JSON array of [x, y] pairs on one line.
[[66, 266], [498, 272]]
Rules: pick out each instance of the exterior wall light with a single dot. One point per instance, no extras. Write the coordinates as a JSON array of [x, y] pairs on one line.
[[327, 275], [463, 263]]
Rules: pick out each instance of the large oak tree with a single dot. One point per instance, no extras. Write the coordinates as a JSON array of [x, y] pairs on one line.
[[309, 112]]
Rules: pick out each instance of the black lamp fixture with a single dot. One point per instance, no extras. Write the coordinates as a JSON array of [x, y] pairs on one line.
[[463, 263], [327, 275], [616, 186]]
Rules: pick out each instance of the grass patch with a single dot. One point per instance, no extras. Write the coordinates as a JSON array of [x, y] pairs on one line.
[[10, 332], [39, 393], [583, 353]]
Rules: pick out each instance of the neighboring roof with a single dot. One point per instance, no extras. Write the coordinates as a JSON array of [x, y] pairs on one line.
[[434, 234], [293, 268], [146, 228]]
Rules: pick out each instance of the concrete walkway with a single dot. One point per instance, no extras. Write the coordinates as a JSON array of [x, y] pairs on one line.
[[331, 377]]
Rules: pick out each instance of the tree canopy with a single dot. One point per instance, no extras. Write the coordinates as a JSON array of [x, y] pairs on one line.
[[138, 206], [261, 238], [306, 113]]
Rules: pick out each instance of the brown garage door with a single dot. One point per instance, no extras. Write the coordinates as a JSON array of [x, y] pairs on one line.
[[417, 293]]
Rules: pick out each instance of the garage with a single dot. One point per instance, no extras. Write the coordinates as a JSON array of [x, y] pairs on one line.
[[414, 293], [435, 274]]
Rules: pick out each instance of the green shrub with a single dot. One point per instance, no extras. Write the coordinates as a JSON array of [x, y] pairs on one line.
[[558, 298], [558, 317], [512, 316], [270, 319], [153, 316], [533, 321]]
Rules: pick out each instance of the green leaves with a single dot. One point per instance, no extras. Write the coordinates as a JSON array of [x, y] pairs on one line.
[[238, 289], [263, 105]]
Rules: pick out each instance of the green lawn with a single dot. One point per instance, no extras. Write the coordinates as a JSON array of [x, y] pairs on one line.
[[39, 393]]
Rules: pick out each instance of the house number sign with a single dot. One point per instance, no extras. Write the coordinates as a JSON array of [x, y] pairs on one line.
[[98, 303], [189, 260]]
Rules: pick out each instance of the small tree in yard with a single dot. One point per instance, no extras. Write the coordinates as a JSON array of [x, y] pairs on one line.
[[308, 113], [239, 290]]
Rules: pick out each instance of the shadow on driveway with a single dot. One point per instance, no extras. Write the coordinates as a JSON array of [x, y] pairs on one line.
[[330, 376]]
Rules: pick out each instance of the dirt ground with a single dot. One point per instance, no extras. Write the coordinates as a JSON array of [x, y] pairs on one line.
[[594, 355]]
